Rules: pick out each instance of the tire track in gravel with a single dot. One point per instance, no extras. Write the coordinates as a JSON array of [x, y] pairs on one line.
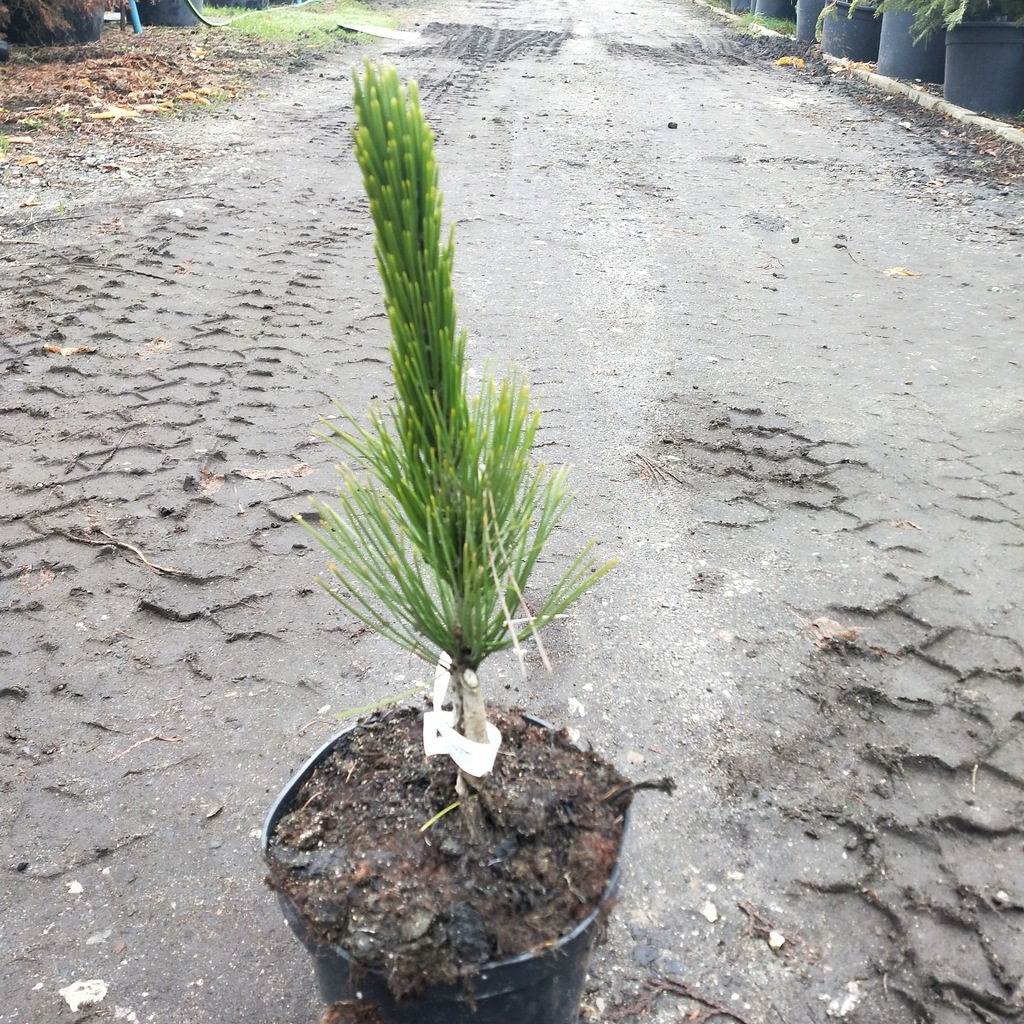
[[470, 51], [919, 693]]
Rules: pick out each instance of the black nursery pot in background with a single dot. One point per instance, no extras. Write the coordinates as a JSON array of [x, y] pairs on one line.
[[807, 14], [782, 9], [545, 987], [900, 57], [855, 36], [168, 12], [77, 23], [985, 67]]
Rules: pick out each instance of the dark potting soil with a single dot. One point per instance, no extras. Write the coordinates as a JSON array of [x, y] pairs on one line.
[[428, 906]]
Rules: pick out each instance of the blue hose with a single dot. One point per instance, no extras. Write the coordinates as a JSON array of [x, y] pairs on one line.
[[133, 13]]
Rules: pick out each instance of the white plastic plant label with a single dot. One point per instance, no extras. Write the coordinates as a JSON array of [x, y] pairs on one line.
[[440, 737]]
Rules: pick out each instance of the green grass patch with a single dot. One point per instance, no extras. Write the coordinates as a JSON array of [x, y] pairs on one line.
[[313, 24], [783, 25]]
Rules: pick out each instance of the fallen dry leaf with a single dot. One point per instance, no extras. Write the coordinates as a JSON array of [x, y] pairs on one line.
[[20, 140], [29, 161], [300, 469], [789, 62], [114, 114], [73, 350], [828, 630], [906, 523], [845, 64], [210, 483], [27, 578], [154, 347], [899, 272]]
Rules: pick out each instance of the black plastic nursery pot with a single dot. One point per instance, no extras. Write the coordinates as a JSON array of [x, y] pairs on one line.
[[168, 12], [900, 57], [985, 67], [807, 14], [740, 6], [543, 987], [83, 25], [785, 10], [855, 36]]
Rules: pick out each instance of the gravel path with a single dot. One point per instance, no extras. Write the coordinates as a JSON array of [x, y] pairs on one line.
[[809, 460]]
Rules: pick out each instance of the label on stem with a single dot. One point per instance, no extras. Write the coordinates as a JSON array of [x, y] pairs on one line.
[[440, 737]]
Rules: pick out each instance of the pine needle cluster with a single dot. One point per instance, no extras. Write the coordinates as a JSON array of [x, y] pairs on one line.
[[441, 516]]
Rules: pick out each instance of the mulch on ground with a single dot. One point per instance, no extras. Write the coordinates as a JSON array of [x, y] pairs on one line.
[[70, 113], [125, 76]]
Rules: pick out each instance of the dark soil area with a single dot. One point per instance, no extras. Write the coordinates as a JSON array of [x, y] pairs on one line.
[[426, 902]]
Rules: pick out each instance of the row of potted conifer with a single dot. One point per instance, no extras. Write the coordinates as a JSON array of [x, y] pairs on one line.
[[974, 47]]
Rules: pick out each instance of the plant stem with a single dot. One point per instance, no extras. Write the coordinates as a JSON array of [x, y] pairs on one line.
[[470, 710], [471, 722]]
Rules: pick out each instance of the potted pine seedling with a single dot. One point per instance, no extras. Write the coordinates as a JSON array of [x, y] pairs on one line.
[[451, 865]]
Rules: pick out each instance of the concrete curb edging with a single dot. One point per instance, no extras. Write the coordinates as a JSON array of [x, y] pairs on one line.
[[894, 87], [925, 99]]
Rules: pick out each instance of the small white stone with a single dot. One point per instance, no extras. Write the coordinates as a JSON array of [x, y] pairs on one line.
[[84, 993], [709, 912]]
